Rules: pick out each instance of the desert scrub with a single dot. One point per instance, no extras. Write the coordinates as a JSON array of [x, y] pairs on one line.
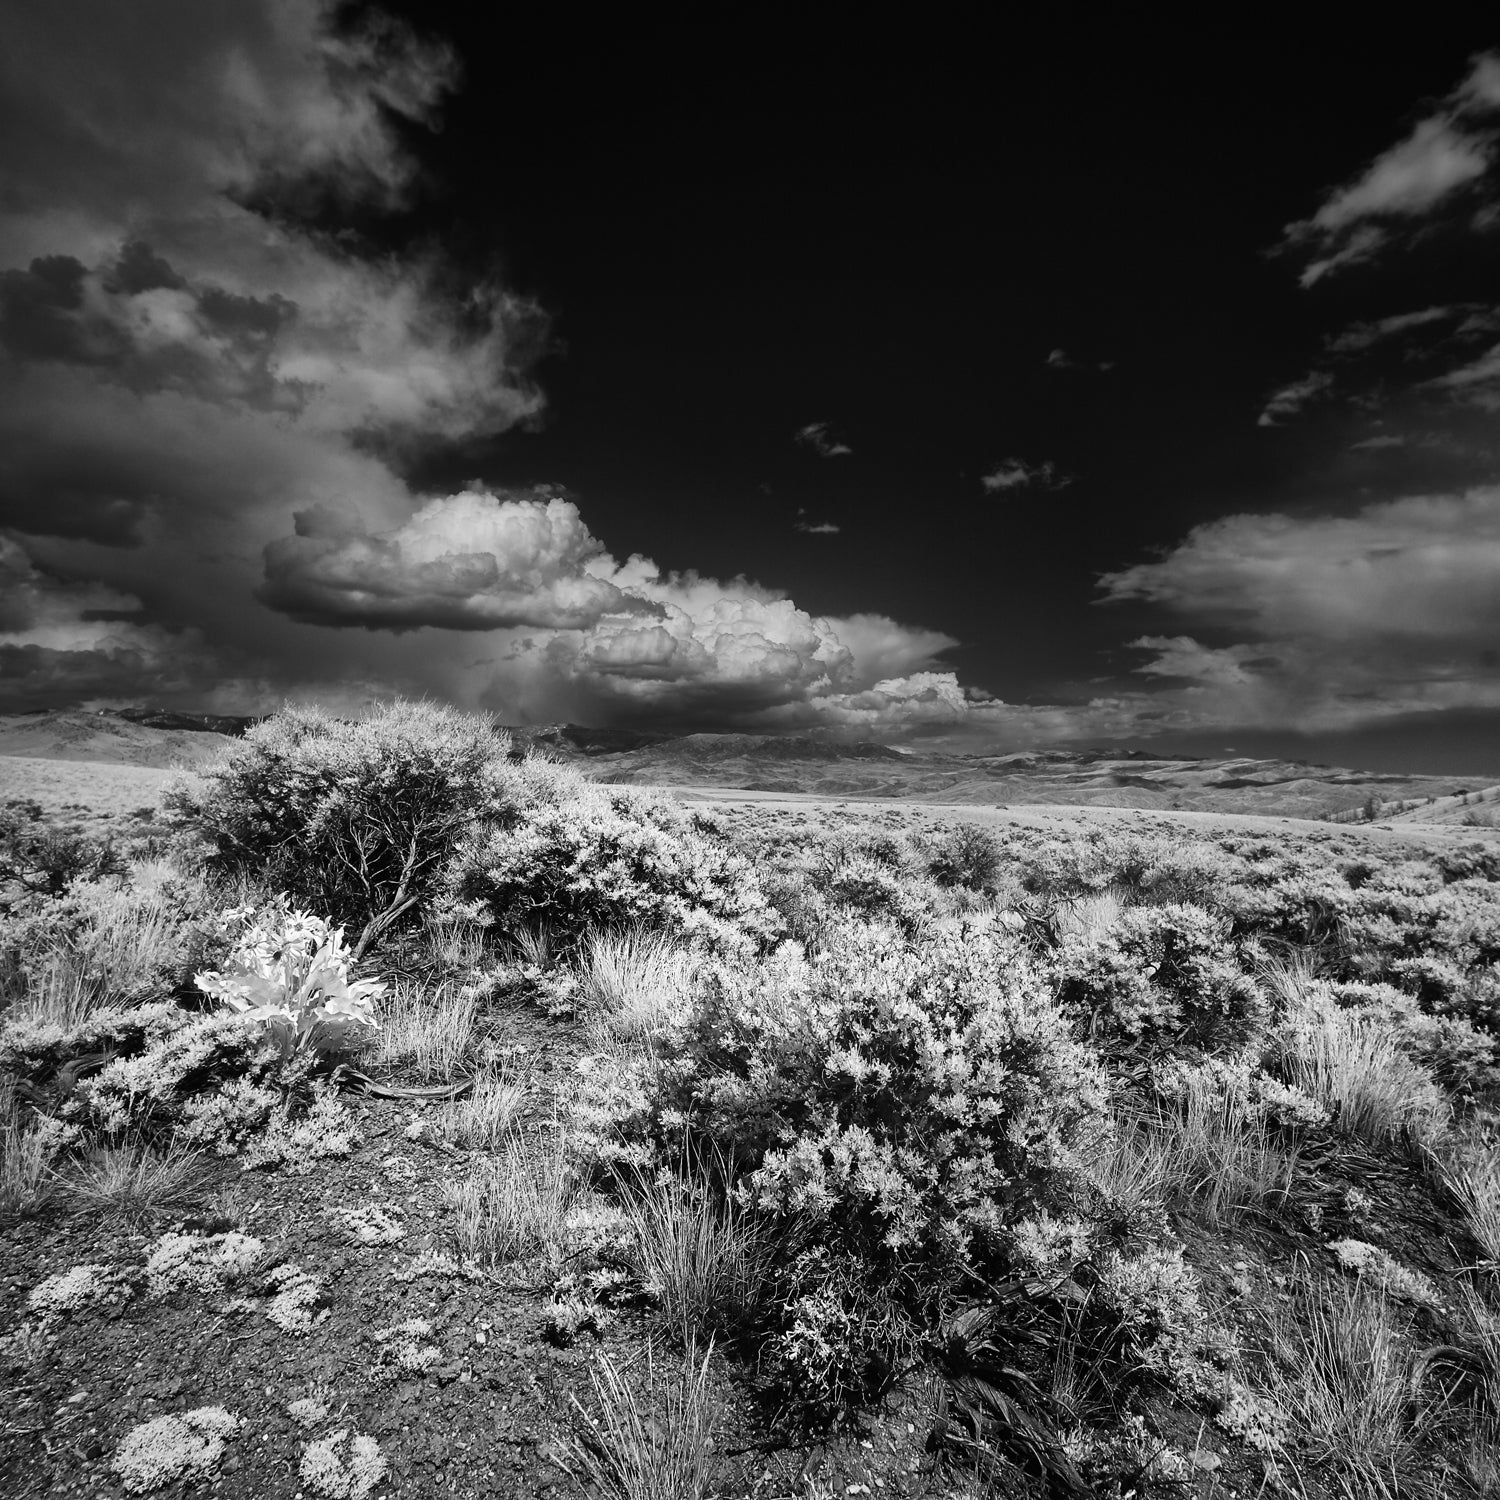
[[355, 819], [894, 1102], [106, 944], [342, 1467], [607, 857], [1158, 979]]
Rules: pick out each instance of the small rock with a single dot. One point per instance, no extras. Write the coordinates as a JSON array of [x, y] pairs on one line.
[[1206, 1461]]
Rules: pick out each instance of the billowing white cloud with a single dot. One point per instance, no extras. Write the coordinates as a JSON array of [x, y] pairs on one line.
[[1016, 474], [1447, 154], [471, 561]]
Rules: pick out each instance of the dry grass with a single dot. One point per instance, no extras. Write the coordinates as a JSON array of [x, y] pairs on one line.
[[1338, 1361], [1471, 1173], [1209, 1160], [454, 945], [487, 1117], [515, 1205], [428, 1031], [636, 983], [696, 1246], [25, 1181], [130, 938], [1086, 919], [133, 1180], [1353, 1065], [655, 1444]]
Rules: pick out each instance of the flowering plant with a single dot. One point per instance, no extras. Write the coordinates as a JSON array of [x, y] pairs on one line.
[[294, 976]]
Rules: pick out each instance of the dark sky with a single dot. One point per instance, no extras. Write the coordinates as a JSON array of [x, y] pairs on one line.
[[1081, 382]]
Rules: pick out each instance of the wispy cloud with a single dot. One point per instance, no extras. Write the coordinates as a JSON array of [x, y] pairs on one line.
[[1444, 161], [1060, 359], [820, 438], [1013, 474], [1281, 405], [814, 528]]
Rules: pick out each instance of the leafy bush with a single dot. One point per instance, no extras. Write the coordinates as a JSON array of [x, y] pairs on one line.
[[964, 854], [37, 858], [894, 1102], [605, 857], [354, 819], [1160, 978]]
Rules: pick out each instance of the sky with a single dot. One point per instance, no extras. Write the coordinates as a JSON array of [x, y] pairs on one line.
[[1083, 385]]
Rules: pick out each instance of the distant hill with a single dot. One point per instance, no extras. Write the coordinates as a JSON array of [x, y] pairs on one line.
[[129, 738], [1103, 778], [790, 764]]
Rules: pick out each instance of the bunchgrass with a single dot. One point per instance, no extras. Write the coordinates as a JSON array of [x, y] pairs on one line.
[[1354, 1066], [1471, 1173], [1339, 1362], [487, 1117], [428, 1031], [25, 1179], [649, 1434], [134, 1180], [514, 1205], [635, 983], [695, 1245]]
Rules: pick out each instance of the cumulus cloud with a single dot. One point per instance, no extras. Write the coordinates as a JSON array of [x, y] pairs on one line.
[[820, 438], [1446, 157], [471, 561], [1012, 474], [183, 363], [1343, 619]]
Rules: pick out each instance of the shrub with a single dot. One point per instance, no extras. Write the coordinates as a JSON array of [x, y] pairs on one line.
[[964, 854], [609, 858], [895, 1103], [37, 858], [354, 819], [1160, 978]]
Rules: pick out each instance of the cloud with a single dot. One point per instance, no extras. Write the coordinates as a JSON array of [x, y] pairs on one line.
[[1359, 337], [819, 437], [1016, 474], [1341, 620], [1060, 359], [814, 528], [1447, 155], [1287, 402], [471, 561]]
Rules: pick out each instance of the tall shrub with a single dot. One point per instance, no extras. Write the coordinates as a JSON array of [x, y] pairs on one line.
[[354, 820]]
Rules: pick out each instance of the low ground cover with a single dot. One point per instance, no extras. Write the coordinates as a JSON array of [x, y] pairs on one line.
[[520, 1136]]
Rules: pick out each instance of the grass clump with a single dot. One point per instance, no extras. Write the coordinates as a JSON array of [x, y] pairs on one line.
[[635, 983], [650, 1435], [428, 1030], [515, 1205], [133, 1180]]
